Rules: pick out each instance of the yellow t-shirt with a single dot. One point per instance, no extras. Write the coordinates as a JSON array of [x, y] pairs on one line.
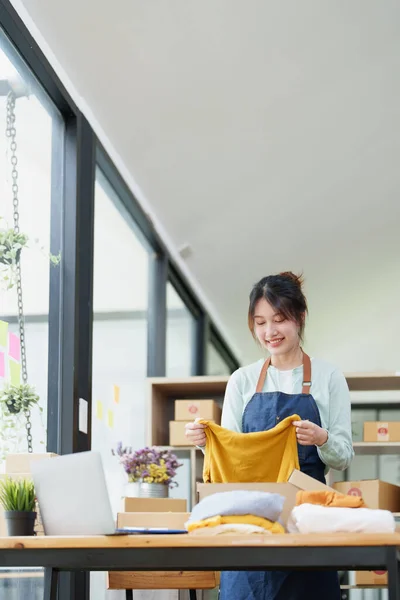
[[264, 456], [234, 520]]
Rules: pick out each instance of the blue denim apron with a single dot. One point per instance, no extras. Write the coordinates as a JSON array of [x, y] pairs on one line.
[[264, 411]]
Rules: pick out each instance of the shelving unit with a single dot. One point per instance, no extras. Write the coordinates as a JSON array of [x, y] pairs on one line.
[[163, 391], [376, 448]]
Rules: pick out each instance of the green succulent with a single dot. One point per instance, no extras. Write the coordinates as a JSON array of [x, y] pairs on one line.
[[11, 244], [18, 398], [17, 494]]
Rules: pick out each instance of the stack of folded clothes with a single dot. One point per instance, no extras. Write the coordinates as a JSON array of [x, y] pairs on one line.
[[331, 512], [237, 512]]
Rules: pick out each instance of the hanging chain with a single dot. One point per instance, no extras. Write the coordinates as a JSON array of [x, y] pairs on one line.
[[11, 133]]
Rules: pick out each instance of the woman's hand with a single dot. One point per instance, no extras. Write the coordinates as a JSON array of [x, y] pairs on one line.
[[195, 433], [310, 434]]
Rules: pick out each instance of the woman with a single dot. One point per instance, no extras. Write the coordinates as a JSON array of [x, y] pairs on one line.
[[265, 392]]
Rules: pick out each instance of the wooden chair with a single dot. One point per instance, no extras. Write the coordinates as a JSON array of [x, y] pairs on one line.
[[162, 580], [192, 595]]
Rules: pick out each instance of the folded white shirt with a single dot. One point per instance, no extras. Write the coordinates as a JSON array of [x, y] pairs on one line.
[[231, 529], [312, 518]]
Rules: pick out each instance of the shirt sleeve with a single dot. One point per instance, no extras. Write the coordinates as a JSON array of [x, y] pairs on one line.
[[232, 410], [337, 452]]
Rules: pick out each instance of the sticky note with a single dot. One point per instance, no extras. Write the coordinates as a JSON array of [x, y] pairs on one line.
[[99, 410], [110, 418], [3, 333], [83, 415], [15, 372], [14, 347], [116, 394], [2, 365]]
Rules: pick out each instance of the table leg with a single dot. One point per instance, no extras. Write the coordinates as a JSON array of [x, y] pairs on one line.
[[129, 594], [192, 595], [50, 584], [393, 567]]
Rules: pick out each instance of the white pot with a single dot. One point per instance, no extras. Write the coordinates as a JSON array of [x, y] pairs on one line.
[[132, 489]]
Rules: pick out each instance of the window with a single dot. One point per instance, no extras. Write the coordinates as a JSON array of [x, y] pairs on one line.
[[215, 363], [30, 149], [119, 342], [180, 335]]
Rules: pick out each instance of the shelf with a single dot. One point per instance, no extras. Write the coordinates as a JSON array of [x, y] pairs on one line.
[[188, 386], [364, 448], [358, 382], [179, 448], [363, 587]]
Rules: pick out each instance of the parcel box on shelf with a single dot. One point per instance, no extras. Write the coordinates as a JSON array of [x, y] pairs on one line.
[[146, 505], [375, 493], [168, 520], [297, 481], [188, 410], [371, 578], [21, 462], [177, 433], [382, 431]]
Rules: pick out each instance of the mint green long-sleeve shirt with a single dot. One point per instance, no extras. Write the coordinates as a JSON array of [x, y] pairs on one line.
[[329, 390]]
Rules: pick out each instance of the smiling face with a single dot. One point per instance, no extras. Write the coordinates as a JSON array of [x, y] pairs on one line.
[[275, 333]]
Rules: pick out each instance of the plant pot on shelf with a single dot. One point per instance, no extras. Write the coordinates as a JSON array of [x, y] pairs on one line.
[[20, 522], [153, 490], [132, 489]]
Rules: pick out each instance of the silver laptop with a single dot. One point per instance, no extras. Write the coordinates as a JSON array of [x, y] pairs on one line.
[[73, 497]]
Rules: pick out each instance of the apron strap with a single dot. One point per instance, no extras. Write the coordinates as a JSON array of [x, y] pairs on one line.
[[306, 375]]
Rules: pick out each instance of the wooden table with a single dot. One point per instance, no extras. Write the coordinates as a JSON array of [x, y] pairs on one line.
[[212, 553]]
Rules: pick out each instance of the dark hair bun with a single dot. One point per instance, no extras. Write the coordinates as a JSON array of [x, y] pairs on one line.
[[298, 279]]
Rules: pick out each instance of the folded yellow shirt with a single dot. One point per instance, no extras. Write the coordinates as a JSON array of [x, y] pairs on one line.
[[235, 520], [265, 456], [327, 498]]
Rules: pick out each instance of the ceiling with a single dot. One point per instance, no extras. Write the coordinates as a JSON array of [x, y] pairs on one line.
[[263, 134]]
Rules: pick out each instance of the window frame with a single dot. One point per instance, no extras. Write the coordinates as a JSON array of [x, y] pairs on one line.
[[76, 154]]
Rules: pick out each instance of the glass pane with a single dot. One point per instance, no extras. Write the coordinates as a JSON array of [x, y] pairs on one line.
[[26, 174], [26, 155], [180, 328], [119, 345], [215, 363]]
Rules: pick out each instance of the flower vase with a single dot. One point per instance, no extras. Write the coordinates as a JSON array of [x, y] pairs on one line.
[[153, 490], [132, 489]]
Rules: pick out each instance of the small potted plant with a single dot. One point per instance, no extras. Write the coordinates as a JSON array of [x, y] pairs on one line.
[[11, 245], [18, 499], [18, 398], [152, 468]]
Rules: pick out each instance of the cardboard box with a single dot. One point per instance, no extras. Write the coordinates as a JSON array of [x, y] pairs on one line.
[[177, 433], [188, 410], [171, 520], [21, 462], [382, 431], [371, 578], [375, 493], [297, 481], [143, 505]]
